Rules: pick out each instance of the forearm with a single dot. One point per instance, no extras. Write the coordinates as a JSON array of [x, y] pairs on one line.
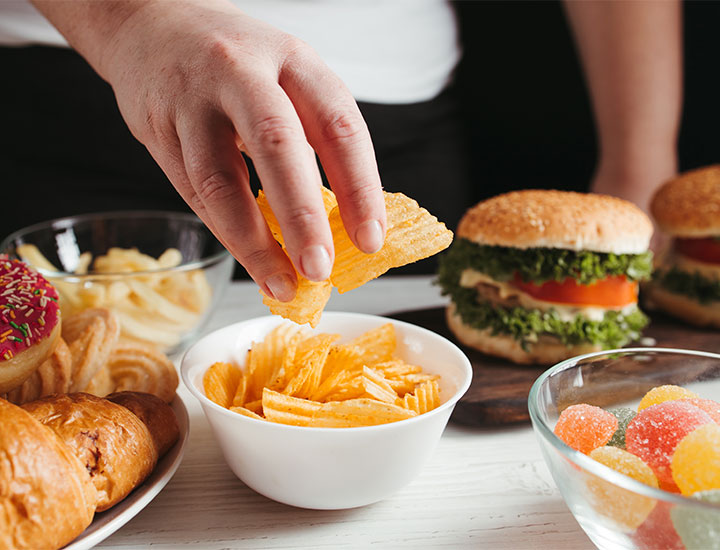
[[92, 27], [631, 52]]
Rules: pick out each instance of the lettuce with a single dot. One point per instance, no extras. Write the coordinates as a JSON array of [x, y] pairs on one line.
[[539, 265], [525, 325], [692, 285]]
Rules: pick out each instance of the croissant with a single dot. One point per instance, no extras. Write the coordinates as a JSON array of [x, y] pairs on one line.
[[90, 357], [64, 457]]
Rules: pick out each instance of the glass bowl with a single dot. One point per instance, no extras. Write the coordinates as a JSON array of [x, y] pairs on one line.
[[616, 511], [162, 273]]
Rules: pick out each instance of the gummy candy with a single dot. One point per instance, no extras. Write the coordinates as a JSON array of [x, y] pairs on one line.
[[658, 531], [699, 529], [696, 462], [708, 405], [660, 394], [655, 432], [625, 507], [624, 416], [625, 463], [586, 427]]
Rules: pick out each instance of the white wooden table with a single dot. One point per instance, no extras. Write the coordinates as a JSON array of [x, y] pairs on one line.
[[481, 489]]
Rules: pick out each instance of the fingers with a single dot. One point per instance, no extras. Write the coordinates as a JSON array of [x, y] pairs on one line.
[[273, 136], [336, 130], [217, 188]]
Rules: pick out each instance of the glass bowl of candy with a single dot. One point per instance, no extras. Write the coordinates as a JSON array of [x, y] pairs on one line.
[[632, 440], [160, 273]]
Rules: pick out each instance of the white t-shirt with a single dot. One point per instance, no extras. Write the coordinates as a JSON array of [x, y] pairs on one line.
[[386, 51]]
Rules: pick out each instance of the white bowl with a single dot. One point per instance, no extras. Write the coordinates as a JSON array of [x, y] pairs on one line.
[[329, 468]]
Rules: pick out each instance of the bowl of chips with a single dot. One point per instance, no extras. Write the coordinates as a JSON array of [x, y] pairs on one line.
[[632, 440], [334, 417], [160, 272]]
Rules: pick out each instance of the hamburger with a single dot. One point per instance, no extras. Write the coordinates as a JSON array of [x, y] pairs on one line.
[[686, 281], [538, 276]]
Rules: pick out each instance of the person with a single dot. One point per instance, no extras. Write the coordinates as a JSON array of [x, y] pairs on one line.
[[197, 81]]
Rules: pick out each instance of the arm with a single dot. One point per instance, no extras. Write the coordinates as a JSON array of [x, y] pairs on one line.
[[631, 52], [192, 78]]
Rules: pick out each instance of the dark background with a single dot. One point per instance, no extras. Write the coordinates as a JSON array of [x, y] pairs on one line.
[[524, 116]]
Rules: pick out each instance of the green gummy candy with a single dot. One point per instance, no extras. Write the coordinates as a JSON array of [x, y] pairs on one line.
[[624, 416]]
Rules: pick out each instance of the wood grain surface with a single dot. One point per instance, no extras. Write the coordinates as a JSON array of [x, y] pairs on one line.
[[499, 389]]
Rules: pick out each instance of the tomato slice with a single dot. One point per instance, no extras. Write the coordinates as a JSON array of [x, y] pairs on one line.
[[612, 292], [704, 250]]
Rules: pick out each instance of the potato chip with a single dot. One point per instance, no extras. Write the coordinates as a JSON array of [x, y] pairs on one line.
[[254, 406], [285, 409], [357, 412], [329, 202], [308, 304], [309, 362], [425, 398], [376, 345], [241, 392], [412, 234], [220, 382], [299, 378], [246, 412], [265, 359], [342, 365], [377, 387], [311, 297]]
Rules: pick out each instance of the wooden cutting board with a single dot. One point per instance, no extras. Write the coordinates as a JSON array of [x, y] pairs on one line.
[[499, 389]]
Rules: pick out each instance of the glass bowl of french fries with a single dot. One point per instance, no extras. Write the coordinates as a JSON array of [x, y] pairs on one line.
[[335, 417], [160, 272]]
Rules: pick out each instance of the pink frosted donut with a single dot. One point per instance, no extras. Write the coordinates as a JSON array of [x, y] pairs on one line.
[[29, 321]]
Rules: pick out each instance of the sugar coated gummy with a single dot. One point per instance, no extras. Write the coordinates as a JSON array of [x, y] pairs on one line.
[[699, 529], [655, 432], [624, 416], [708, 405], [585, 427], [626, 508], [696, 462], [660, 394]]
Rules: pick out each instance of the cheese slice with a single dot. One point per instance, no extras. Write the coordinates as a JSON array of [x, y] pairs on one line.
[[469, 278]]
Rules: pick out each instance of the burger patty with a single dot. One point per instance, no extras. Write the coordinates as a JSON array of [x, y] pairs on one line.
[[490, 293]]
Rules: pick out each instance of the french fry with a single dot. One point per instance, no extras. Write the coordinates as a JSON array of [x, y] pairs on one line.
[[154, 308]]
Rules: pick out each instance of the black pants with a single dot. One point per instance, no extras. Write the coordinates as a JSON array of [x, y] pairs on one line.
[[65, 149]]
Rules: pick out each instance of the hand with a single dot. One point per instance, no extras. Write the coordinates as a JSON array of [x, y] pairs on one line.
[[192, 78]]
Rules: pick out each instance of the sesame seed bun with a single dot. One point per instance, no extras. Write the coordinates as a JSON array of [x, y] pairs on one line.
[[689, 205], [542, 353], [558, 219]]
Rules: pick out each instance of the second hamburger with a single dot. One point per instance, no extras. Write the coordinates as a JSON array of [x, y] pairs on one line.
[[538, 276]]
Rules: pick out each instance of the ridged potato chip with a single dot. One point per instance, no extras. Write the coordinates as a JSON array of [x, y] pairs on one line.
[[220, 383], [303, 379], [412, 234], [308, 304]]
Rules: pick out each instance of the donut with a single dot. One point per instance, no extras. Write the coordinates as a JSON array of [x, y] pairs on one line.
[[29, 321]]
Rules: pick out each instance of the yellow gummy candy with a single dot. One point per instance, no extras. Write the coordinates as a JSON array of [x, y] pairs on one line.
[[660, 394], [696, 461]]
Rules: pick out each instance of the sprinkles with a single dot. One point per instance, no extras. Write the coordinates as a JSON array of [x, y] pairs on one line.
[[28, 307]]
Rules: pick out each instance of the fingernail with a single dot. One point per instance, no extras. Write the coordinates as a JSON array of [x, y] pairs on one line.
[[315, 263], [282, 286], [369, 236]]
